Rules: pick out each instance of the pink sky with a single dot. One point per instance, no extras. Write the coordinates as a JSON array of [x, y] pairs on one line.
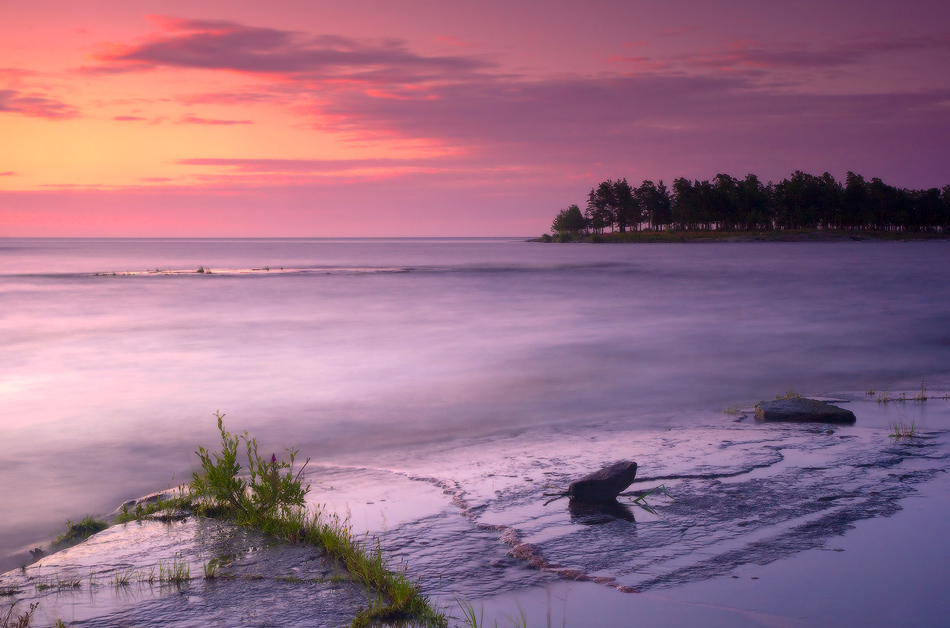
[[306, 118]]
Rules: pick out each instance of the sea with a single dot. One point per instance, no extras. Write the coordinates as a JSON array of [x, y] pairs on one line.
[[479, 369]]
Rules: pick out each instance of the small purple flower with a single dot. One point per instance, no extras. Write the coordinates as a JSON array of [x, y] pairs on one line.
[[273, 458]]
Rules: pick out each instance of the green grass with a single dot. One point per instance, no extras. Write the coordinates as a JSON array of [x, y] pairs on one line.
[[164, 509], [789, 394], [210, 569], [11, 619], [78, 532], [883, 397], [900, 429], [271, 500], [123, 578], [176, 572]]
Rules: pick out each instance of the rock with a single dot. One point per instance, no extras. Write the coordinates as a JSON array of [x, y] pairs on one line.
[[802, 410], [604, 485]]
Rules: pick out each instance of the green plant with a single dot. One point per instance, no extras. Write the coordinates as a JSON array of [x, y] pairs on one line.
[[789, 394], [883, 397], [201, 270], [78, 532], [123, 578], [869, 391], [7, 619], [210, 569], [272, 486], [271, 500], [163, 509], [469, 618], [175, 573], [900, 429], [732, 410], [68, 583]]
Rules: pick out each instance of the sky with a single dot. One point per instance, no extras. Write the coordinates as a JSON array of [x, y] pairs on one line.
[[305, 118]]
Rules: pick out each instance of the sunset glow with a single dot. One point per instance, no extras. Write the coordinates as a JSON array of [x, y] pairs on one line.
[[418, 118]]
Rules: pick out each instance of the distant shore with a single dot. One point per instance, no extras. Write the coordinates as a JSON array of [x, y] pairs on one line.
[[786, 235]]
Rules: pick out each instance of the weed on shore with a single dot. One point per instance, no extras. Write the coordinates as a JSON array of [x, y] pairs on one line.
[[789, 394], [8, 618], [901, 429], [78, 532], [271, 500]]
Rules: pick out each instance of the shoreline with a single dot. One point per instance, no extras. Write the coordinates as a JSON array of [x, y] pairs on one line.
[[647, 236], [452, 530]]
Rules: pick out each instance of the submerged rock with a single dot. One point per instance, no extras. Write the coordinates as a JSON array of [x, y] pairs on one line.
[[604, 485], [802, 410]]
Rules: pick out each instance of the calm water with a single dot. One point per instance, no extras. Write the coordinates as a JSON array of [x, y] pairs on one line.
[[346, 348]]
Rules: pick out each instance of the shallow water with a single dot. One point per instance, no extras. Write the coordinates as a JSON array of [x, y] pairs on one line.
[[743, 501], [123, 577], [376, 349], [736, 492]]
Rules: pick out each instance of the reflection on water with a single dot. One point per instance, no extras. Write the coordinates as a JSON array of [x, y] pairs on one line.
[[599, 514], [108, 383], [473, 520], [119, 577]]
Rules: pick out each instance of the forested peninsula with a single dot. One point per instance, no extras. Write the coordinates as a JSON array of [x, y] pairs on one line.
[[801, 207]]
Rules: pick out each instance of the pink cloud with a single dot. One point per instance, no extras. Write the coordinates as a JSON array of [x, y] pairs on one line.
[[192, 119], [128, 118], [36, 106], [226, 45], [755, 54], [231, 98], [8, 173]]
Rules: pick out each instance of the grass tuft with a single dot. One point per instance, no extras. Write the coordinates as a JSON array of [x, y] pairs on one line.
[[123, 578], [9, 620], [78, 532], [900, 429], [177, 572], [789, 394], [271, 500], [163, 509], [210, 569]]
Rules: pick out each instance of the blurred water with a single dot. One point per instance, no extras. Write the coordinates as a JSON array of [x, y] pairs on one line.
[[347, 347]]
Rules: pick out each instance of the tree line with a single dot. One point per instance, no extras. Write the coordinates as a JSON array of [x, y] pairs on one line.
[[802, 201]]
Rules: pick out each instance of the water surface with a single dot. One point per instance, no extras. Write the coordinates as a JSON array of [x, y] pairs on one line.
[[355, 349]]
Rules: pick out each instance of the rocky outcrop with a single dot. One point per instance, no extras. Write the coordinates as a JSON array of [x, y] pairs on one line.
[[604, 485], [802, 410]]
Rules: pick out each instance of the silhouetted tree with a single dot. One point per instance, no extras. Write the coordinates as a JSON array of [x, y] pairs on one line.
[[655, 203], [569, 220], [799, 201], [627, 207], [602, 207]]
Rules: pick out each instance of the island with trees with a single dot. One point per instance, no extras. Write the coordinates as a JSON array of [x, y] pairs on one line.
[[800, 207]]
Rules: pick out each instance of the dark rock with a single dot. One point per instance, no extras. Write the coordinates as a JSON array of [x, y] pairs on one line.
[[803, 410], [604, 485], [36, 554]]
